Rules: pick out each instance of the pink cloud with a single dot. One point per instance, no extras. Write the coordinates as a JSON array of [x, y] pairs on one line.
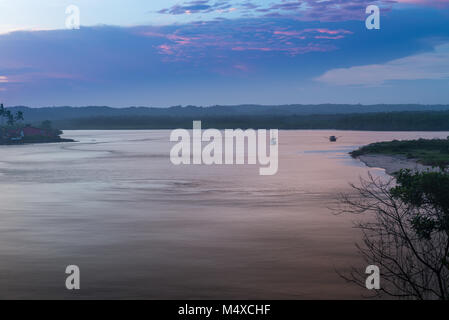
[[318, 30], [191, 44], [171, 36], [180, 39], [166, 49], [329, 37], [328, 31], [253, 49], [290, 50], [241, 67], [288, 33], [324, 33], [39, 76]]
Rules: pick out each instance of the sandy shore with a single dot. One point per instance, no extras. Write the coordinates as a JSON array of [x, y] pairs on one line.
[[392, 164]]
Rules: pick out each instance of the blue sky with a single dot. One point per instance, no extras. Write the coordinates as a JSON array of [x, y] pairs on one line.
[[163, 53]]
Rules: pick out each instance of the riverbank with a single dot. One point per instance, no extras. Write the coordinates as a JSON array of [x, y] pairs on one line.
[[393, 163], [33, 141], [420, 155]]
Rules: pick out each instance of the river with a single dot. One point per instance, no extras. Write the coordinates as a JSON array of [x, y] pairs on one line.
[[139, 227]]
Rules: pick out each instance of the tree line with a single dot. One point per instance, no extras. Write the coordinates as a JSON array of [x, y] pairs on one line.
[[11, 118], [384, 121]]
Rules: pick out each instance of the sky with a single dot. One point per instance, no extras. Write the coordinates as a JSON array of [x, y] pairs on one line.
[[201, 52]]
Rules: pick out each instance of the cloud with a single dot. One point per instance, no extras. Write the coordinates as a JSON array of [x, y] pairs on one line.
[[218, 38], [241, 67], [105, 56], [305, 10], [199, 61], [339, 10], [126, 63], [3, 79], [425, 66], [197, 6], [302, 33], [309, 10]]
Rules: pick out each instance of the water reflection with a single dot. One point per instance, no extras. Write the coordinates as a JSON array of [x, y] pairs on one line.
[[140, 227]]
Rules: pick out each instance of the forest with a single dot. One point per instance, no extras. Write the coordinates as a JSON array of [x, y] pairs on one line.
[[379, 121]]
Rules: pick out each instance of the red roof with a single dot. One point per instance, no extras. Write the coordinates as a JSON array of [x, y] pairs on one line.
[[29, 131]]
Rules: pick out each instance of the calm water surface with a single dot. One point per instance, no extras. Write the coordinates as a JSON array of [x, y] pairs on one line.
[[139, 227]]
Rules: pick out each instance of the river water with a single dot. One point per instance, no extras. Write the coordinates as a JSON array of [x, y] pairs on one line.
[[139, 227]]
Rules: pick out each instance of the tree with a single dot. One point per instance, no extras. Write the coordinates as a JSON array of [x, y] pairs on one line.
[[406, 233], [2, 112], [19, 116], [9, 118], [46, 124]]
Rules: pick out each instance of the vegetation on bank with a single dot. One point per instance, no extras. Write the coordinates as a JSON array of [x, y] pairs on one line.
[[432, 152], [407, 235], [16, 132], [37, 115], [389, 121]]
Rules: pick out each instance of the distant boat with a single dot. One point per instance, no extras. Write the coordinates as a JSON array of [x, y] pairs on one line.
[[333, 138]]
